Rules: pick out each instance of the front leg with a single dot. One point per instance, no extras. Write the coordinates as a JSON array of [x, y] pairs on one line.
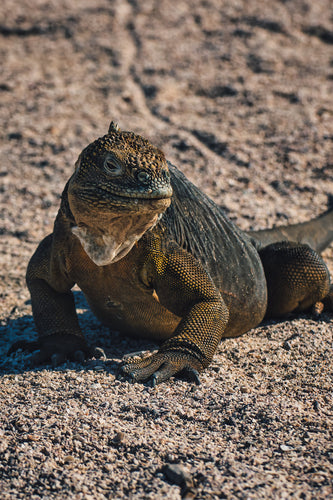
[[60, 336], [185, 288]]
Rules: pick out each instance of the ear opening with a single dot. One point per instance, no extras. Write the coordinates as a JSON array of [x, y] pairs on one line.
[[113, 127]]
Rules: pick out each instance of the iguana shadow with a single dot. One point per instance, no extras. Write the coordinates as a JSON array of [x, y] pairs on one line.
[[113, 343]]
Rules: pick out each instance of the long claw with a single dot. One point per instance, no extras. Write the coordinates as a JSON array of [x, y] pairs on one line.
[[153, 380], [123, 374], [193, 375], [119, 372]]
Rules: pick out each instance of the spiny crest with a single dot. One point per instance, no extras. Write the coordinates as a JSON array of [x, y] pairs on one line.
[[113, 127], [131, 143]]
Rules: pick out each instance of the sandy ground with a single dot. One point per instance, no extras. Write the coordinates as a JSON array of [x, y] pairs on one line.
[[239, 95]]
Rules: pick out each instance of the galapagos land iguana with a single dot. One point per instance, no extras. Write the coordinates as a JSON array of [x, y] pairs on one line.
[[156, 258]]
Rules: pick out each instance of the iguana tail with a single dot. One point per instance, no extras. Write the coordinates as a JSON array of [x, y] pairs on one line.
[[317, 233]]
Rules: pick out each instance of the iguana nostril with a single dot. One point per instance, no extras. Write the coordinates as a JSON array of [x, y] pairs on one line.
[[143, 177]]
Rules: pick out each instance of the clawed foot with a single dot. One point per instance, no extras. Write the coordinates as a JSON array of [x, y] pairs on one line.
[[154, 367], [57, 349], [160, 366], [326, 305], [23, 345]]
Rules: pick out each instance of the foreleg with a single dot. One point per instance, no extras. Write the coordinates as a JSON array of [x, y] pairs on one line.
[[183, 287]]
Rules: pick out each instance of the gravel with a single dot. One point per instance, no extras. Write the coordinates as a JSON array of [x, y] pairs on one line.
[[239, 96]]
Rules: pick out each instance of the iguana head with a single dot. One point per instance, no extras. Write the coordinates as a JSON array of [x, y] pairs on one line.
[[120, 188]]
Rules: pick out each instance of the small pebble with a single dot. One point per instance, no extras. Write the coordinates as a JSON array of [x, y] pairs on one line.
[[177, 474], [98, 368], [287, 345], [316, 405], [119, 438], [284, 447]]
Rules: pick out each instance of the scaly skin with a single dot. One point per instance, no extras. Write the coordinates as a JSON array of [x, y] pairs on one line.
[[156, 258]]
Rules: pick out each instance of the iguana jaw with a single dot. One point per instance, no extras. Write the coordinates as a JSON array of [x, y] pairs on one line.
[[100, 199], [108, 235], [105, 249]]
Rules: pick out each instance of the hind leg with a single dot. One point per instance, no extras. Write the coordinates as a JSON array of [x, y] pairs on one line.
[[297, 278]]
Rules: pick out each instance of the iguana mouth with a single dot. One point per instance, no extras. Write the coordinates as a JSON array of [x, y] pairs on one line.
[[88, 200], [102, 193]]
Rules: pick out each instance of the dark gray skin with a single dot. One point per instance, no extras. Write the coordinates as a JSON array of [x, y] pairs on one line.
[[190, 280], [226, 253]]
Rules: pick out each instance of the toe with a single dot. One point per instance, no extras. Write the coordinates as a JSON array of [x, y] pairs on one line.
[[79, 356], [142, 369], [98, 353], [193, 375], [57, 359], [39, 358], [166, 371]]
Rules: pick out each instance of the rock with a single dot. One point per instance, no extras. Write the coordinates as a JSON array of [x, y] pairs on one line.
[[284, 447], [177, 474]]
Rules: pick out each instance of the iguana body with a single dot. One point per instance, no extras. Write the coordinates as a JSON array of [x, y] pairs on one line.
[[161, 263]]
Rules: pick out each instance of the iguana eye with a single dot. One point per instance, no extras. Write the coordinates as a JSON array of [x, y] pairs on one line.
[[143, 177], [112, 167]]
